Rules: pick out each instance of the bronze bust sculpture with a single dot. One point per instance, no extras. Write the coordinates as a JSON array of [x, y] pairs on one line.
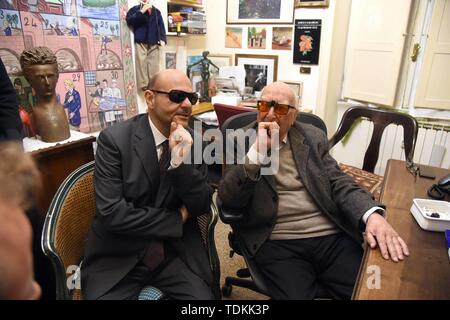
[[40, 68]]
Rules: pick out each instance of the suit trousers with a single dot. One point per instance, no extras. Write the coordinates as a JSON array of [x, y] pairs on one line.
[[147, 63], [296, 269], [173, 277]]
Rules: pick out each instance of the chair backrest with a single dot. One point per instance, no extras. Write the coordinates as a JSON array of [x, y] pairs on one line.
[[66, 226], [241, 120], [225, 111], [381, 119], [69, 219]]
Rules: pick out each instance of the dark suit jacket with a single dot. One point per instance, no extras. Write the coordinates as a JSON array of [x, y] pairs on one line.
[[10, 124], [251, 206], [131, 209]]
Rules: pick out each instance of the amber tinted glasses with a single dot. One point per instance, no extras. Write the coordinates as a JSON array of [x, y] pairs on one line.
[[279, 108]]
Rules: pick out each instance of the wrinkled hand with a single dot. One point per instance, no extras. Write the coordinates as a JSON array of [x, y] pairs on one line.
[[266, 132], [180, 142], [378, 230], [184, 214]]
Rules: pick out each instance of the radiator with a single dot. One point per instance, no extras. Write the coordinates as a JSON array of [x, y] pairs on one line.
[[432, 145]]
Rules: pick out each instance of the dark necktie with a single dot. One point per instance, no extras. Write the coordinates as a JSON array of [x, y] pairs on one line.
[[164, 159], [155, 250]]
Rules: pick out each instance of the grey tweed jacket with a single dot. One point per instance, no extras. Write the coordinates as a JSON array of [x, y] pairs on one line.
[[251, 206]]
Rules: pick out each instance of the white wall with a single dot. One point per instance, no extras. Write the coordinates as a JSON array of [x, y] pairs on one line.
[[214, 41]]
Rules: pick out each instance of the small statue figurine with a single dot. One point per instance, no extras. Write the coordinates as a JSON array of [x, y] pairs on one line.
[[206, 63], [40, 68]]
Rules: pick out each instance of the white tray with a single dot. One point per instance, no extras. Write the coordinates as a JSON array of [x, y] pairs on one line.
[[421, 209]]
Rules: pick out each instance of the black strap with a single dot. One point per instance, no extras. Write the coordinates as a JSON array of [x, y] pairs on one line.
[[436, 192]]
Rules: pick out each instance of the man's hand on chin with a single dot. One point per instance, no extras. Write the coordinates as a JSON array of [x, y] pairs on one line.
[[379, 231]]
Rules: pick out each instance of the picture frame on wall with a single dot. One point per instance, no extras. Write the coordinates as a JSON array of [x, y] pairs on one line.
[[260, 12], [260, 70], [170, 59], [220, 60], [312, 3], [297, 87]]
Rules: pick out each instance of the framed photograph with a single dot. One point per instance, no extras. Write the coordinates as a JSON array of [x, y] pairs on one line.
[[233, 37], [260, 70], [220, 60], [260, 12], [170, 60], [297, 87], [312, 3], [282, 38]]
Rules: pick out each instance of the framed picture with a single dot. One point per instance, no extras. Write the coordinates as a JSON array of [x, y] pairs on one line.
[[170, 60], [233, 37], [260, 12], [256, 38], [197, 2], [297, 87], [282, 38], [312, 3], [220, 60], [260, 70]]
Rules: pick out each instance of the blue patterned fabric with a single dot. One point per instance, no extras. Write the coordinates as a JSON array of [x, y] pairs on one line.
[[150, 293]]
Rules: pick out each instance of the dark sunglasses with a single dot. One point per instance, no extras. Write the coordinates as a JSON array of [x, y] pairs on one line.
[[279, 108], [179, 96]]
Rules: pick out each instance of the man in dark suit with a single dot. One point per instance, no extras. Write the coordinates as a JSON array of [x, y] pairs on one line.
[[302, 221], [148, 196]]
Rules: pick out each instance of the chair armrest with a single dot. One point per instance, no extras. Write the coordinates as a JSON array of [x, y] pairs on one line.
[[229, 216]]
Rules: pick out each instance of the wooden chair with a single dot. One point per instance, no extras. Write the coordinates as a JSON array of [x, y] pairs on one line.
[[67, 224], [381, 119]]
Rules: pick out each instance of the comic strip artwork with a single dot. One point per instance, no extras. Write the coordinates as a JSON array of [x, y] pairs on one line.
[[92, 44]]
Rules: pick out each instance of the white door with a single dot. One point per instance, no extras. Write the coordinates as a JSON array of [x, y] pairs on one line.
[[433, 90], [374, 52]]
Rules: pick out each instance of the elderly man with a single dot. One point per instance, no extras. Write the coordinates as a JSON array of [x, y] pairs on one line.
[[148, 196], [303, 223]]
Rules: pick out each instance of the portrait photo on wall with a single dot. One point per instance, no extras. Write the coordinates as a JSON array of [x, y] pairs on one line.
[[260, 70], [307, 41]]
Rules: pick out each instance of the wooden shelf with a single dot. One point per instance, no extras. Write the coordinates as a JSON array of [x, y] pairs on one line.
[[186, 3]]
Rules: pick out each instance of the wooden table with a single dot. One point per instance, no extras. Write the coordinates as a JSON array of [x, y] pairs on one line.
[[202, 107], [425, 274], [56, 163]]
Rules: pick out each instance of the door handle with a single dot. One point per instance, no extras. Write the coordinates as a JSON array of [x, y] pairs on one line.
[[416, 51]]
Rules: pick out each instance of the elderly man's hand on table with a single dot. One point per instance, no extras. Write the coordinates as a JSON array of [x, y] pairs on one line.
[[379, 231]]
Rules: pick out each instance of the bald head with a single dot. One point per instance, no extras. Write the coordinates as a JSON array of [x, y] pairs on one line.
[[163, 99], [280, 92], [168, 77]]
